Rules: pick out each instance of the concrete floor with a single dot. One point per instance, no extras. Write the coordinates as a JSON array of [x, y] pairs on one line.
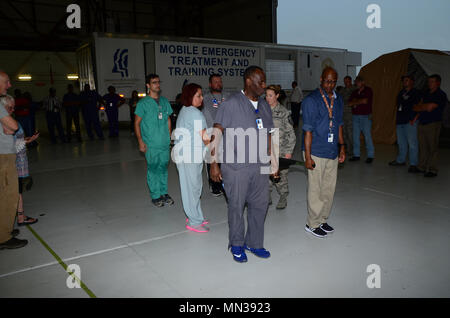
[[94, 211]]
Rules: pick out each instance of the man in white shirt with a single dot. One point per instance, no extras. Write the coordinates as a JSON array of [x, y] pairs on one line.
[[296, 102]]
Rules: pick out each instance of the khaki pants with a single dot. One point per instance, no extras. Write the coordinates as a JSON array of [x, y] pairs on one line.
[[321, 187], [428, 146], [9, 195]]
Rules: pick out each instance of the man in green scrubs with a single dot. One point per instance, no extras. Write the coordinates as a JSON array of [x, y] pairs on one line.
[[152, 127]]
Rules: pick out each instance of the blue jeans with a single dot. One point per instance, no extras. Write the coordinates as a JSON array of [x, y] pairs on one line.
[[364, 124], [407, 137]]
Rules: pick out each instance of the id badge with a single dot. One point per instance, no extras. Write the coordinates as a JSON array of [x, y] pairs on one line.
[[400, 108], [330, 137], [160, 116], [259, 123], [110, 104]]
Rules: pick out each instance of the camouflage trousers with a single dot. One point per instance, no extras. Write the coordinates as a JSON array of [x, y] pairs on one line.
[[282, 185], [348, 133]]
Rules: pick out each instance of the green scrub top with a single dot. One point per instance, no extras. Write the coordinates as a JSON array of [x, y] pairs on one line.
[[154, 131]]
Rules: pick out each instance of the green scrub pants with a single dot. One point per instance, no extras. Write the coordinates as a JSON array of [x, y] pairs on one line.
[[157, 164]]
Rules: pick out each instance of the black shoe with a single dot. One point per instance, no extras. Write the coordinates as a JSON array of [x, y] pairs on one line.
[[395, 163], [430, 174], [354, 158], [15, 232], [326, 228], [216, 193], [414, 169], [316, 232], [369, 160], [158, 202], [167, 199], [13, 243]]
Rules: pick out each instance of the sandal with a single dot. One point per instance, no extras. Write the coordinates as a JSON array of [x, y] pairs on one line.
[[27, 220]]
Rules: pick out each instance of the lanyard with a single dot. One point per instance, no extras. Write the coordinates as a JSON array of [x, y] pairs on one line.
[[330, 108]]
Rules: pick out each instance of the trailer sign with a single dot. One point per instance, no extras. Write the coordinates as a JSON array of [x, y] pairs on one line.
[[181, 62]]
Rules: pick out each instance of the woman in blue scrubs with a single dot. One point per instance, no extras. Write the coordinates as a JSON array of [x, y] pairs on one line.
[[191, 139]]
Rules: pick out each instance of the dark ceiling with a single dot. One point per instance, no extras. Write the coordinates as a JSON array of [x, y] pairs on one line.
[[41, 24]]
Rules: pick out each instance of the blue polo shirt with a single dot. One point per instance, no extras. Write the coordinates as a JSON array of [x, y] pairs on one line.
[[438, 97], [111, 101], [406, 100], [317, 121]]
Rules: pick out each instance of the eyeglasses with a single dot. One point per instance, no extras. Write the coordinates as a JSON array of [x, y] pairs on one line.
[[329, 82]]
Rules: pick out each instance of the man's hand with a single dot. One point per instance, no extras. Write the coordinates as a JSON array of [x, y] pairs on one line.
[[288, 156], [216, 174], [142, 146], [342, 154], [310, 164]]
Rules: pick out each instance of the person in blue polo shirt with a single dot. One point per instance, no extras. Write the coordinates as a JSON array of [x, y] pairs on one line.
[[112, 103], [407, 125], [430, 124], [323, 147]]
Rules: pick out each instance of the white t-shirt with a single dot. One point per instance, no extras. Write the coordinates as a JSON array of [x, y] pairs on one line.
[[255, 104]]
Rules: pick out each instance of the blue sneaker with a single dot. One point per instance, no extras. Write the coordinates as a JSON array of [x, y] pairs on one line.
[[260, 252], [238, 254]]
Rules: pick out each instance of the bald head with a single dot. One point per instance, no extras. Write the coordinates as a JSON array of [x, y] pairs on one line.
[[4, 83], [328, 80], [328, 70]]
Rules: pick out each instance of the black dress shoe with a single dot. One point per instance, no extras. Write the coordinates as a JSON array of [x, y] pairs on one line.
[[413, 169], [354, 158], [395, 163], [369, 160], [13, 243], [15, 232], [430, 174]]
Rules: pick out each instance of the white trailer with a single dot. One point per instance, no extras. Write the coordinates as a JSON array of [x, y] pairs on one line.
[[124, 61]]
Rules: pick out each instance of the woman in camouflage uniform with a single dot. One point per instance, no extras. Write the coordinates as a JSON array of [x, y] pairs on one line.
[[281, 120]]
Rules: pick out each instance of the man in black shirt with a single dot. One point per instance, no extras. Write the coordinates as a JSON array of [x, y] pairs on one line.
[[430, 123], [407, 125]]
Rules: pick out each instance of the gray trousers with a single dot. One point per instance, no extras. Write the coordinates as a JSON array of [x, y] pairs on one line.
[[243, 186], [191, 184]]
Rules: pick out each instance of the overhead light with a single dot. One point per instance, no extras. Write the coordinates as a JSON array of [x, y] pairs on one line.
[[142, 94], [72, 77], [25, 77], [122, 95]]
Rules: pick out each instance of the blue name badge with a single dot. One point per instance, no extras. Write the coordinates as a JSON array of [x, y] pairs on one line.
[[330, 137], [259, 123]]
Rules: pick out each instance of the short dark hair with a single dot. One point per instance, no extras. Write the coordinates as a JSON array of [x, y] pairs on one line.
[[294, 83], [408, 76], [359, 78], [349, 77], [249, 71], [149, 77], [111, 87], [213, 75], [437, 77], [188, 93]]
